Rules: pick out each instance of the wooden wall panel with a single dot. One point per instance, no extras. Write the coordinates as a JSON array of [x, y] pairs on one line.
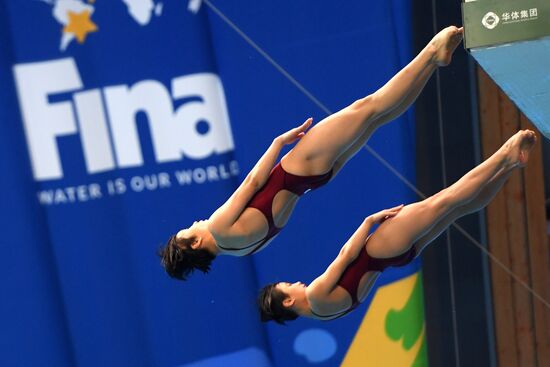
[[539, 247], [491, 140], [517, 242], [516, 228]]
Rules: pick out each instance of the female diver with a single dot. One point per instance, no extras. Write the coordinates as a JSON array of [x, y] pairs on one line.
[[402, 234], [262, 204]]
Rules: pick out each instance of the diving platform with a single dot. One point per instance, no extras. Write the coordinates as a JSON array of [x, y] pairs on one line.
[[510, 39]]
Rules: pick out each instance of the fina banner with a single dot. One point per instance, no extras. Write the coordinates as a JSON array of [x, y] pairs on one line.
[[125, 121]]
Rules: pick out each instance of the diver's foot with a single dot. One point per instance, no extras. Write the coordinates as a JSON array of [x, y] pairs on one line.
[[519, 146], [529, 138], [444, 44]]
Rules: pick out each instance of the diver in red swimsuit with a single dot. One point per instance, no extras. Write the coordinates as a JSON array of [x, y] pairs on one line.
[[403, 233], [279, 180], [262, 204]]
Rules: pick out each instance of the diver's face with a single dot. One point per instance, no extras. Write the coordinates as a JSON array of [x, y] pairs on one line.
[[196, 230], [292, 290]]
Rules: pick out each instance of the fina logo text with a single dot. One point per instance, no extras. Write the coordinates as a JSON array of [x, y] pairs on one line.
[[54, 104]]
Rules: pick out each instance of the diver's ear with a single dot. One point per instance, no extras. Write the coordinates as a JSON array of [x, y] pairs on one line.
[[288, 302], [197, 243]]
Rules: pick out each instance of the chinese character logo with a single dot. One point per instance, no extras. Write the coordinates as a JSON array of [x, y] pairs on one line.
[[490, 20]]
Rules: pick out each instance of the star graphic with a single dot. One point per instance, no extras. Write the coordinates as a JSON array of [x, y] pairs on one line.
[[80, 25]]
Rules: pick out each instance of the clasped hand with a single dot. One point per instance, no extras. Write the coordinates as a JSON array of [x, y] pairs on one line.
[[386, 213], [294, 134]]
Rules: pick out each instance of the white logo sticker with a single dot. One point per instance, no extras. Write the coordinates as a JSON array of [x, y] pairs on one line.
[[490, 20]]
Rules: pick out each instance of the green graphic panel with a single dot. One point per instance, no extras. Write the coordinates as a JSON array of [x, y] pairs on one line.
[[406, 325], [392, 332], [488, 23]]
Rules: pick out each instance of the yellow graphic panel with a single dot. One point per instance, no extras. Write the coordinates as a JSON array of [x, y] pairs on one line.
[[392, 331]]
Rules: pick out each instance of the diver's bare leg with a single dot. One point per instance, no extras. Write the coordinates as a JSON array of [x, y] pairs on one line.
[[480, 202], [321, 147], [416, 220], [390, 116]]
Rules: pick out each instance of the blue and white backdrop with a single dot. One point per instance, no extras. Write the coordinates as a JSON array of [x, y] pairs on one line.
[[123, 121]]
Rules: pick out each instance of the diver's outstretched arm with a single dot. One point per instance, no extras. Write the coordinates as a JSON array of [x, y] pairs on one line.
[[225, 216], [326, 282]]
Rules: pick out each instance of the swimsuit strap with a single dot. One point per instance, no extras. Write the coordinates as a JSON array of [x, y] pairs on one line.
[[338, 314], [258, 245], [239, 249]]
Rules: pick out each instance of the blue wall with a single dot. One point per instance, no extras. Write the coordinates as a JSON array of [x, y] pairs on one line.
[[81, 282]]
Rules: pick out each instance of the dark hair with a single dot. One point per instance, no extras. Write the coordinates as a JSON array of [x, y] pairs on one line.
[[270, 302], [180, 260]]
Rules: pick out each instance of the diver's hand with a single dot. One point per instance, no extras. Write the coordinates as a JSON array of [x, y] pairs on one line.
[[385, 214], [294, 134]]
